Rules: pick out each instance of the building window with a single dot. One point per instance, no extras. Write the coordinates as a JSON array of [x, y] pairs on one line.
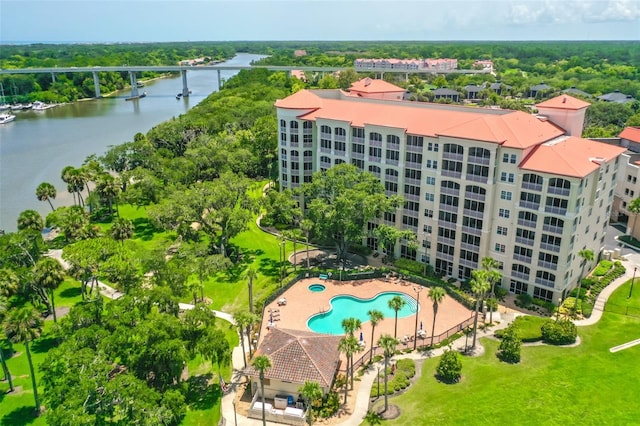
[[432, 147], [513, 159], [505, 195], [504, 213], [541, 293], [505, 158], [431, 180], [375, 152], [428, 196], [427, 229], [428, 213], [518, 287], [502, 230], [500, 248], [416, 141]]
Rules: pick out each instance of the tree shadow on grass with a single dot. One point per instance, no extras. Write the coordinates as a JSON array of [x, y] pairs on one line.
[[144, 229], [44, 344], [70, 292], [269, 267], [200, 394], [20, 416]]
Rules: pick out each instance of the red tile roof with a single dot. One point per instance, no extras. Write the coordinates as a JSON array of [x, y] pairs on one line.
[[369, 85], [571, 156], [298, 356], [564, 102], [304, 99], [631, 133]]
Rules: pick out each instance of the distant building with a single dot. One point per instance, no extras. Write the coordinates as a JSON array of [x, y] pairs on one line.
[[428, 65], [576, 92], [617, 97], [299, 53], [444, 64], [484, 65], [445, 93], [299, 74], [473, 91], [539, 90], [499, 87], [376, 89]]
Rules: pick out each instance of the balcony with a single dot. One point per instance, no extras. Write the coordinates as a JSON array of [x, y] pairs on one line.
[[375, 159], [294, 144], [324, 135], [523, 240], [521, 258], [469, 247], [553, 228], [391, 162], [479, 160], [412, 181], [393, 146], [325, 150], [473, 231], [375, 143], [468, 195], [529, 205], [307, 144], [412, 228], [562, 211], [444, 256], [452, 156], [447, 241], [357, 140], [308, 173], [527, 223], [545, 282], [358, 155], [468, 263], [559, 191], [325, 164], [477, 178], [449, 208], [410, 213], [412, 165], [445, 224], [340, 138], [411, 197], [390, 193], [413, 148], [340, 153], [548, 265], [283, 156], [550, 247], [520, 275], [532, 186], [376, 174], [451, 173], [472, 213], [449, 191], [391, 178]]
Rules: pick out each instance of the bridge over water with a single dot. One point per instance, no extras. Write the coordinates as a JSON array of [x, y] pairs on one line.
[[183, 69]]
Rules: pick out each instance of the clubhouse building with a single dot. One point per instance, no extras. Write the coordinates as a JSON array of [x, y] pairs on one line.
[[523, 189]]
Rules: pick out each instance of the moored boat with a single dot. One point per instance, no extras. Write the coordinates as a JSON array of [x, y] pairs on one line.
[[6, 118], [133, 98], [41, 106]]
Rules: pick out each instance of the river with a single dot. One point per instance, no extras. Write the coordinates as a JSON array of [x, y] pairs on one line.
[[39, 144]]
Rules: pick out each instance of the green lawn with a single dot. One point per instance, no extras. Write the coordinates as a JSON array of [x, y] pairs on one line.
[[582, 385]]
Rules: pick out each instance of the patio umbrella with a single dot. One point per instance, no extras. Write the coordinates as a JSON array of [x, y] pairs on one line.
[[271, 317], [420, 325], [361, 337]]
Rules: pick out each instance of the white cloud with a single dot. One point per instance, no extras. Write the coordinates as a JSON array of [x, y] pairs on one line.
[[572, 11]]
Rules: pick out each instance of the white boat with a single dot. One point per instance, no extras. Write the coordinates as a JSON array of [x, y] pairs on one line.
[[4, 107], [6, 118], [41, 106]]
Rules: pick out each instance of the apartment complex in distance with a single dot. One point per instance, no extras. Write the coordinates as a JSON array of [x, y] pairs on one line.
[[525, 190], [428, 65]]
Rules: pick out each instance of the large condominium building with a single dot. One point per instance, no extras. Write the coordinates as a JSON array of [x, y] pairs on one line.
[[525, 190]]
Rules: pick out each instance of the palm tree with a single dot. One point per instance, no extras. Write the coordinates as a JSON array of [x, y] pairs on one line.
[[388, 344], [634, 208], [48, 274], [30, 219], [587, 256], [24, 325], [491, 265], [350, 325], [251, 275], [311, 391], [244, 321], [436, 295], [262, 363], [45, 192], [348, 345], [375, 316], [3, 362], [306, 226], [9, 283], [122, 229], [479, 286], [396, 303]]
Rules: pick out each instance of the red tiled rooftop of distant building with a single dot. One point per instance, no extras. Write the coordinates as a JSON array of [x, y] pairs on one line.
[[369, 85], [631, 133], [564, 102]]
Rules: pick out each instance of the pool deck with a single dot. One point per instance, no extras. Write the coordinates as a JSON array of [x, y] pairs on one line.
[[302, 303]]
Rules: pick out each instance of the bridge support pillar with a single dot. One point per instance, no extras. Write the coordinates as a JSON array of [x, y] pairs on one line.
[[134, 83], [219, 80], [96, 84], [185, 88], [53, 77]]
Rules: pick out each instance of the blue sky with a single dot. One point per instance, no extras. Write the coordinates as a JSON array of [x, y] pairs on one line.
[[217, 20]]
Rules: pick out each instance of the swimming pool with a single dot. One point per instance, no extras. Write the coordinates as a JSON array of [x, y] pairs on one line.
[[346, 306], [316, 288]]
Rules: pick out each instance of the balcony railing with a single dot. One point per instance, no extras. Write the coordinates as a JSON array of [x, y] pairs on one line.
[[393, 146], [307, 144], [473, 231], [410, 213], [562, 211], [545, 282], [294, 144], [449, 208], [532, 186], [324, 135], [559, 191], [341, 153], [445, 240], [412, 165], [340, 138], [356, 139], [325, 150], [410, 227], [444, 256], [521, 258], [472, 213], [412, 181], [446, 224], [474, 196], [449, 191], [520, 275], [477, 178], [358, 155], [391, 162], [527, 223], [452, 156], [529, 205], [548, 265], [325, 164], [550, 247], [479, 160], [375, 159], [390, 193], [391, 178], [523, 240], [411, 197], [552, 228], [470, 247], [375, 143], [468, 263], [451, 173], [413, 148]]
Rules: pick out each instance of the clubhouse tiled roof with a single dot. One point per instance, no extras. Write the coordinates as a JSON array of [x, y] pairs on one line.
[[570, 156], [631, 133], [564, 102], [298, 356]]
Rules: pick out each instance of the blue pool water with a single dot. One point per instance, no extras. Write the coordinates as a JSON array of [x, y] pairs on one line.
[[352, 307], [316, 288]]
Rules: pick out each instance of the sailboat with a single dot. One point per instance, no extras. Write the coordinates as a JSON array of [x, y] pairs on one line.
[[3, 104]]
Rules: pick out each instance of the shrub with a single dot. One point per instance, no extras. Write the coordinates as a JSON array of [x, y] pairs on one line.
[[524, 300], [449, 367], [331, 405], [408, 366], [603, 267], [563, 332], [509, 350], [500, 292], [409, 265], [589, 282], [529, 328]]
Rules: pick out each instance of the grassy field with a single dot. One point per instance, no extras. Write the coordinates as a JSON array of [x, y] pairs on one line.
[[582, 385]]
